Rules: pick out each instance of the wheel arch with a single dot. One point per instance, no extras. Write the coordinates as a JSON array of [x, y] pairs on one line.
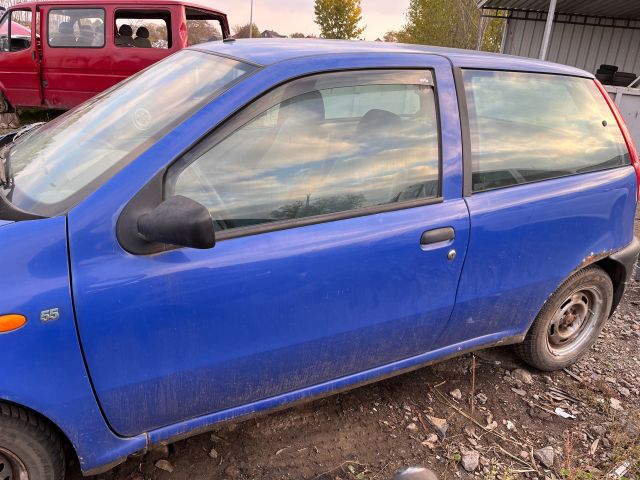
[[69, 448], [3, 95], [618, 274]]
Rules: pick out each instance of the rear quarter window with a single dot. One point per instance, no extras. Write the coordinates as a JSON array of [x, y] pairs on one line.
[[528, 127]]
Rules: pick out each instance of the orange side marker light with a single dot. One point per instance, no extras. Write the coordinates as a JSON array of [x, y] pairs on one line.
[[9, 323]]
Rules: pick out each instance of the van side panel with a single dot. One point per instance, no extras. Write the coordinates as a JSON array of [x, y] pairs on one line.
[[526, 240], [41, 364]]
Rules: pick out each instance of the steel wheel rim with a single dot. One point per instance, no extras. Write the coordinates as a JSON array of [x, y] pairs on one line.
[[573, 324], [11, 467]]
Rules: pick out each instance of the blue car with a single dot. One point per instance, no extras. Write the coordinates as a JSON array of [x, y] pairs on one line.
[[249, 224]]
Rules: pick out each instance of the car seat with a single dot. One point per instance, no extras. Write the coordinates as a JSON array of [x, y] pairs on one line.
[[125, 36], [142, 38], [86, 36], [65, 36]]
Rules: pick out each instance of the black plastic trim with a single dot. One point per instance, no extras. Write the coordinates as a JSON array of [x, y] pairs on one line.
[[331, 217], [467, 167], [628, 257], [438, 235]]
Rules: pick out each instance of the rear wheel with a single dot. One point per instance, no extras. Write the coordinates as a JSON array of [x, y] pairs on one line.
[[4, 104], [570, 322], [29, 447]]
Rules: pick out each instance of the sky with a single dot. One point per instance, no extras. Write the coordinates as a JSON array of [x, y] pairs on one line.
[[289, 16]]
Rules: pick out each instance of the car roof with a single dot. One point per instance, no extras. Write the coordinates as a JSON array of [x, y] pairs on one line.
[[269, 51], [99, 3]]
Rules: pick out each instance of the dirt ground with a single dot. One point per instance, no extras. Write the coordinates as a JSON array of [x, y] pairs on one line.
[[370, 432]]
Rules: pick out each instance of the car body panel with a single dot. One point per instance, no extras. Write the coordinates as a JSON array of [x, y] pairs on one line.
[[271, 51], [20, 71], [47, 355], [300, 336], [526, 240]]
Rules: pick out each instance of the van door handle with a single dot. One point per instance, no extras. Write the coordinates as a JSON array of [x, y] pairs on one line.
[[438, 235]]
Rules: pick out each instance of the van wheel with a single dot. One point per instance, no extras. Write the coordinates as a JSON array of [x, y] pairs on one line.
[[4, 108], [570, 322], [29, 447]]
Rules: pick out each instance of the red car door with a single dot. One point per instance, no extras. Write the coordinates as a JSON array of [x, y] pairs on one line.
[[76, 56], [19, 59]]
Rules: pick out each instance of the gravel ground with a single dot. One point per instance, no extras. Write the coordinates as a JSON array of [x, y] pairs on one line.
[[370, 432]]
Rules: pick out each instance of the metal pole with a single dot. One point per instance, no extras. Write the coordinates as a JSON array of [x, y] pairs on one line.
[[505, 30], [251, 21], [480, 33], [547, 30]]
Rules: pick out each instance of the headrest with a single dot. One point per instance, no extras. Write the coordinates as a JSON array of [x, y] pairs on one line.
[[66, 28], [308, 107], [378, 122], [142, 32], [125, 30]]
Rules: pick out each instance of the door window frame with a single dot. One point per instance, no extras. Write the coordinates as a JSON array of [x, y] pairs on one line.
[[171, 41], [467, 156], [7, 15], [287, 90], [104, 41]]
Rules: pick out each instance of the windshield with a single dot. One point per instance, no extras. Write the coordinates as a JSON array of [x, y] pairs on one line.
[[50, 170]]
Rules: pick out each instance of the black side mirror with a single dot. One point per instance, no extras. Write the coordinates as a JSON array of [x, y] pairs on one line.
[[178, 221]]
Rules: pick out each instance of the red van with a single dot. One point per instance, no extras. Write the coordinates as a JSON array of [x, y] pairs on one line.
[[60, 53]]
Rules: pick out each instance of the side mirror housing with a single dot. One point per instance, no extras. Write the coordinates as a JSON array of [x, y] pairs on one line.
[[178, 221]]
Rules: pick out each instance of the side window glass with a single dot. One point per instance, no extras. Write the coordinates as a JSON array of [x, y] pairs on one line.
[[527, 127], [15, 31], [321, 151], [76, 28], [143, 29], [202, 27]]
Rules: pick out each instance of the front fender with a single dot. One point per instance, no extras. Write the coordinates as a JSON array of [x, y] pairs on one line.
[[41, 364]]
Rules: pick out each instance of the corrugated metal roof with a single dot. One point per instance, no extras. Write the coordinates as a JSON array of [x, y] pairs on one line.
[[626, 9]]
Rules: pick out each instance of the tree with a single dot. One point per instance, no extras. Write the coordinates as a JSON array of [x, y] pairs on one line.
[[450, 23], [201, 31], [298, 35], [339, 18], [242, 31]]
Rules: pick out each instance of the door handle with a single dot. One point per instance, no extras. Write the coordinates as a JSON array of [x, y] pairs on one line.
[[438, 235]]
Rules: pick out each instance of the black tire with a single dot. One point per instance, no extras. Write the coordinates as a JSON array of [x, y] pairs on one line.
[[4, 104], [28, 442], [570, 321]]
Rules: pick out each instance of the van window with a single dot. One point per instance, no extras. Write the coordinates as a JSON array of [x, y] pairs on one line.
[[202, 26], [76, 28], [527, 127], [297, 159], [143, 29], [15, 31]]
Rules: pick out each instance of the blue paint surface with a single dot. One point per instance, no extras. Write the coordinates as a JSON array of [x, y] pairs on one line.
[[41, 364], [177, 341]]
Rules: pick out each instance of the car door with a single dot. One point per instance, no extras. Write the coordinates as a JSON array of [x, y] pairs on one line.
[[341, 233], [76, 61], [550, 190], [19, 59]]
